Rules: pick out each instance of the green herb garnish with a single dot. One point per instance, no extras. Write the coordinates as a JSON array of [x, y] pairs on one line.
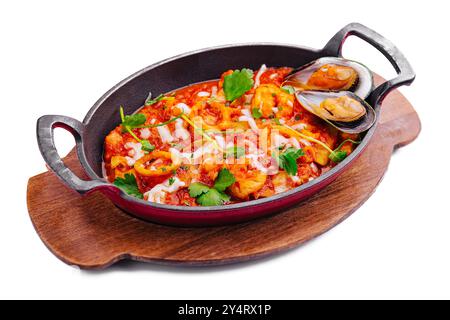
[[337, 155], [147, 146], [237, 83], [196, 189], [129, 185], [132, 122], [224, 180], [256, 113], [288, 160], [171, 181], [151, 101], [215, 196], [288, 89]]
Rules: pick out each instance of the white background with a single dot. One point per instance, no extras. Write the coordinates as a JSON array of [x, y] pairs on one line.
[[59, 58]]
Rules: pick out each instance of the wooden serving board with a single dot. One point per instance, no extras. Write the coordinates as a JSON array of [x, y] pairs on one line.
[[90, 232]]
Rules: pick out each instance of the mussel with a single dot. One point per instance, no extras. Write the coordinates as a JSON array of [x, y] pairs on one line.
[[333, 74], [334, 89], [344, 110]]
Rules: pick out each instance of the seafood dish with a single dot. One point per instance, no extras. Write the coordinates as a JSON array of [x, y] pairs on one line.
[[248, 135]]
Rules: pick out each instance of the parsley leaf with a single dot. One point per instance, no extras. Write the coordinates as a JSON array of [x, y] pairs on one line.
[[256, 113], [337, 155], [171, 181], [133, 121], [197, 189], [129, 185], [147, 146], [151, 101], [234, 152], [224, 180], [213, 198], [288, 160], [288, 89], [237, 83]]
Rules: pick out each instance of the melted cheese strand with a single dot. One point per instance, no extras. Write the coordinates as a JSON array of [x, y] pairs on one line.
[[261, 70]]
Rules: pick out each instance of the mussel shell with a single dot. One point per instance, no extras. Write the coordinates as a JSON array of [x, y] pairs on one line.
[[362, 88], [311, 99]]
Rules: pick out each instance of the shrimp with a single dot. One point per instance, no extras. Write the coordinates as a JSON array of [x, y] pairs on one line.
[[268, 98], [248, 180]]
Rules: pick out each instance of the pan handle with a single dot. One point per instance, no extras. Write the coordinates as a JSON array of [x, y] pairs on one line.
[[44, 130], [405, 73]]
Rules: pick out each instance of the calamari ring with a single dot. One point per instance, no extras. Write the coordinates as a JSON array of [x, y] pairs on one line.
[[117, 161], [140, 167]]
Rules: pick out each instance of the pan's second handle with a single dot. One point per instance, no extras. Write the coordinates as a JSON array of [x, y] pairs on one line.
[[45, 126], [405, 73]]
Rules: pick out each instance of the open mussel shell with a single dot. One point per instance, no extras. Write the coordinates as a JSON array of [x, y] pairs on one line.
[[344, 110], [333, 74]]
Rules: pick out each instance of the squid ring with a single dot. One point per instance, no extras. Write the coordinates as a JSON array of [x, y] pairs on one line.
[[153, 171]]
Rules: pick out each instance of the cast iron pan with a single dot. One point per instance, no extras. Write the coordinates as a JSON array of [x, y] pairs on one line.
[[185, 69]]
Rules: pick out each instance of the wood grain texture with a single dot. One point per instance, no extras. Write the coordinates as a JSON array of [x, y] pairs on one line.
[[90, 232]]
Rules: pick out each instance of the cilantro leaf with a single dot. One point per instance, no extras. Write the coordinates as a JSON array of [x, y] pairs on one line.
[[337, 156], [151, 101], [234, 152], [129, 185], [224, 180], [171, 181], [134, 120], [288, 89], [288, 160], [213, 198], [256, 113], [237, 83], [196, 189], [131, 121], [147, 146]]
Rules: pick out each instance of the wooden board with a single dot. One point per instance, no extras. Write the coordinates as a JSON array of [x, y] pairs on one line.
[[90, 232]]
